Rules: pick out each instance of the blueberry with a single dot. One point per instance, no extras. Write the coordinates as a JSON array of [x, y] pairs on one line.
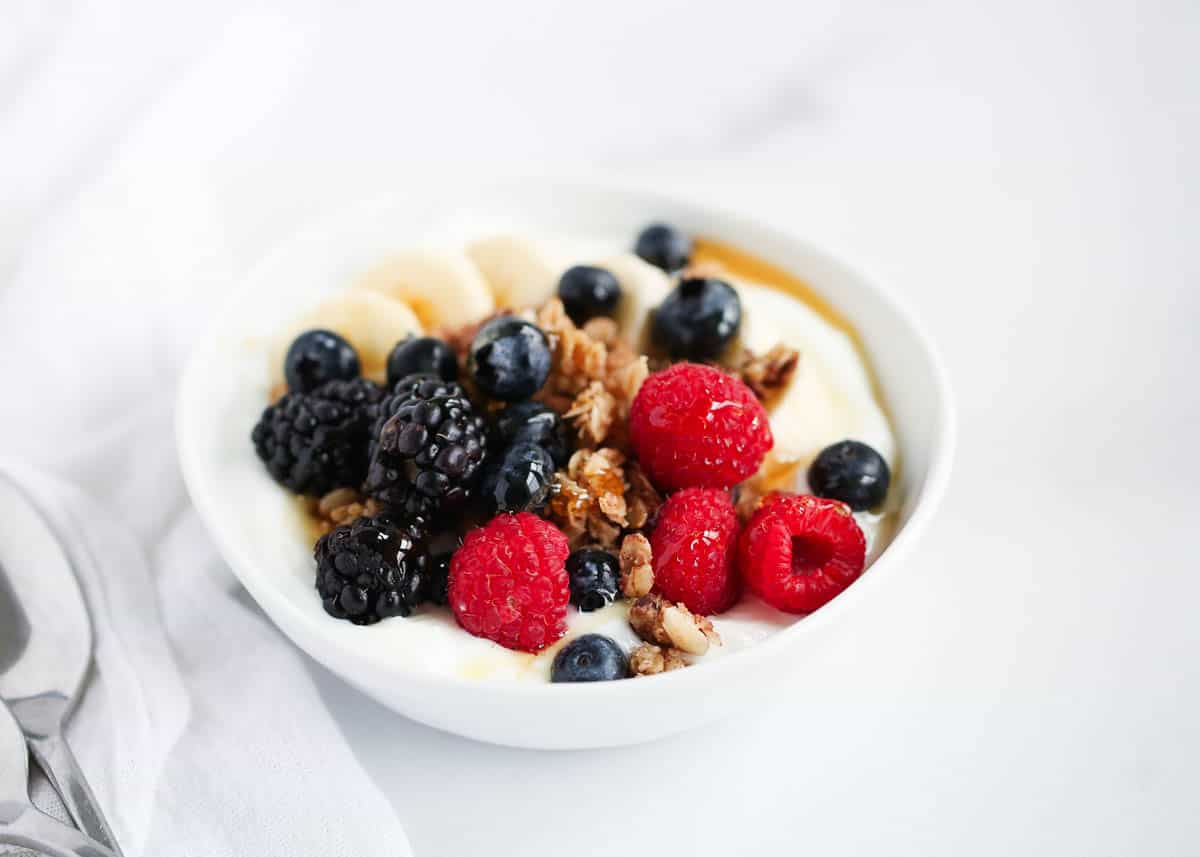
[[518, 480], [587, 292], [421, 355], [698, 318], [595, 577], [591, 657], [317, 356], [664, 247], [851, 472], [535, 423], [510, 358]]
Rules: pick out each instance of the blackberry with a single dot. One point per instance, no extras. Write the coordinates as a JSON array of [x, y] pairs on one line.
[[371, 568], [427, 446], [314, 442]]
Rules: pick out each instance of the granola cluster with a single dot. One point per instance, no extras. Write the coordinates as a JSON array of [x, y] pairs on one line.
[[670, 632]]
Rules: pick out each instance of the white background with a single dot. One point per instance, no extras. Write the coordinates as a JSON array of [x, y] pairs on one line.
[[1025, 173]]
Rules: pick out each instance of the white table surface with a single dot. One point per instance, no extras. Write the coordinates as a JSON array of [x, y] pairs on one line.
[[1025, 173]]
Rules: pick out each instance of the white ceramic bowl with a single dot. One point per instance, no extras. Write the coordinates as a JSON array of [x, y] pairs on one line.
[[255, 523]]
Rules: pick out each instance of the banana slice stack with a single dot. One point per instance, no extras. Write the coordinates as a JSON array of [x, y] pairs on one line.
[[419, 290]]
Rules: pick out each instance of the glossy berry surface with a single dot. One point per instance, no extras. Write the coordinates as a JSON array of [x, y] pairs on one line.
[[698, 319], [592, 657], [370, 569], [421, 355], [799, 551], [587, 291], [663, 247], [314, 442], [318, 356], [508, 582], [509, 358], [427, 449], [595, 578], [517, 480], [851, 472], [695, 426], [535, 423], [694, 550]]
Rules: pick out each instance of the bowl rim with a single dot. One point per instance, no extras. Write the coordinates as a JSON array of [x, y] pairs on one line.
[[287, 617]]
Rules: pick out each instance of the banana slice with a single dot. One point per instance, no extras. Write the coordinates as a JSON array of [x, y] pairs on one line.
[[643, 287], [370, 321], [441, 287], [521, 272]]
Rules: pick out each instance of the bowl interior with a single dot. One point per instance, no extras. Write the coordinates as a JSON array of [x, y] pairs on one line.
[[257, 526]]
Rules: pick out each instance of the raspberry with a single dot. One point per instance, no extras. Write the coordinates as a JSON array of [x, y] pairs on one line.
[[509, 583], [693, 547], [799, 551], [694, 426]]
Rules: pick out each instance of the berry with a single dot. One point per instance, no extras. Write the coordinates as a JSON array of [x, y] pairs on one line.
[[587, 292], [317, 356], [694, 426], [314, 442], [535, 423], [592, 657], [694, 546], [509, 358], [437, 578], [421, 355], [518, 480], [595, 578], [371, 569], [508, 582], [799, 551], [698, 319], [851, 472], [664, 247], [428, 448]]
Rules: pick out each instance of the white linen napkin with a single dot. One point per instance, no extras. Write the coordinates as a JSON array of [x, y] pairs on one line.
[[201, 731]]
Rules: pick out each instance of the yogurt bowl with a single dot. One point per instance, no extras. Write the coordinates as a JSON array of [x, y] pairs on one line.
[[424, 666]]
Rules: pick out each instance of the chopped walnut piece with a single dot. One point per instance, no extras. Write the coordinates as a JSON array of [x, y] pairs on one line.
[[683, 630], [625, 381], [592, 413], [641, 497], [602, 329], [645, 619], [341, 506], [656, 620], [769, 373], [649, 659], [552, 317], [569, 506], [637, 571], [589, 497]]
